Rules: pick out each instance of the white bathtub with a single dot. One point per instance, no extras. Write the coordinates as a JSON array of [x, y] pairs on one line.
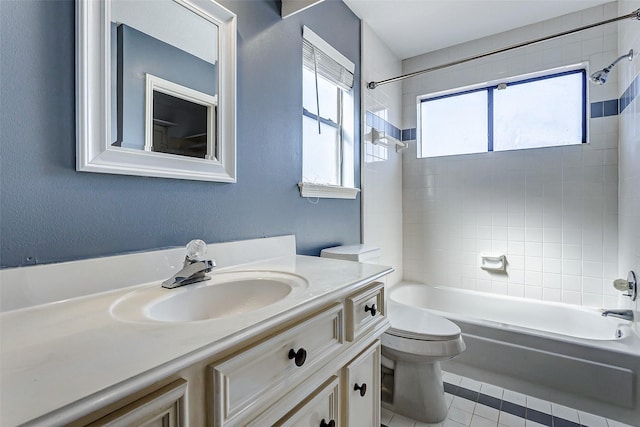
[[557, 352]]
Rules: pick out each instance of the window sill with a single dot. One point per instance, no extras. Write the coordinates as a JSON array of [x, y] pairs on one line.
[[308, 189]]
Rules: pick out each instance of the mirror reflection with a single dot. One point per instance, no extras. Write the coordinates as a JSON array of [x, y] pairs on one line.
[[179, 126], [164, 78]]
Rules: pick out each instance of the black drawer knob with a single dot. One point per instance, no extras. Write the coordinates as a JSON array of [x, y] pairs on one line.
[[331, 423], [300, 356], [362, 388], [372, 309]]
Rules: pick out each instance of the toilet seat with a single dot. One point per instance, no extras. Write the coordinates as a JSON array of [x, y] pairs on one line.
[[418, 324], [415, 334]]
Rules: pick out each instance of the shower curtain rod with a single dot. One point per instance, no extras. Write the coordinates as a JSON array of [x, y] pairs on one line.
[[633, 15]]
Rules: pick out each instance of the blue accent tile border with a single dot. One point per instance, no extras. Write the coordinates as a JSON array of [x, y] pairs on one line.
[[382, 125], [630, 93], [597, 109], [613, 107], [604, 108], [409, 134], [509, 407], [610, 107]]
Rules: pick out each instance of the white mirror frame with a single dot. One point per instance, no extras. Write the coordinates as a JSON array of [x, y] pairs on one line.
[[94, 152]]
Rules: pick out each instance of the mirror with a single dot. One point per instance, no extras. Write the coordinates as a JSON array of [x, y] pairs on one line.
[[156, 85]]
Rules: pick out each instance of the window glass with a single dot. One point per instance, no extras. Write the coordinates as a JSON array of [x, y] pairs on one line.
[[454, 124], [536, 112], [320, 153], [327, 95], [328, 127], [540, 113]]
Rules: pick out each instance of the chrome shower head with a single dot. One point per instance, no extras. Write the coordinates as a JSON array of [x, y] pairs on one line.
[[600, 77]]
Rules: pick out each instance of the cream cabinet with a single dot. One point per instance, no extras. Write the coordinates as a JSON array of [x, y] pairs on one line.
[[322, 371], [164, 407], [320, 408], [364, 309], [318, 369], [266, 371], [362, 388]]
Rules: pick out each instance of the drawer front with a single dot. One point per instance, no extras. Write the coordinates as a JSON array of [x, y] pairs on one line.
[[321, 405], [364, 309], [165, 407], [243, 383], [362, 388]]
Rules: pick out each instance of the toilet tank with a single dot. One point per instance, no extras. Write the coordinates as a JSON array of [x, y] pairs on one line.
[[360, 253]]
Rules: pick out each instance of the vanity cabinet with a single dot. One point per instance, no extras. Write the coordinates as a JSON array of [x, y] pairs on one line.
[[256, 376], [362, 388], [164, 407], [327, 368], [319, 368], [320, 408], [364, 309]]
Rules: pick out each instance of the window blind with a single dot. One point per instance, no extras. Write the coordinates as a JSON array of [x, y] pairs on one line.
[[320, 56]]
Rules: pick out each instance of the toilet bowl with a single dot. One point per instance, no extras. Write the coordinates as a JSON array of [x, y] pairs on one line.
[[412, 350]]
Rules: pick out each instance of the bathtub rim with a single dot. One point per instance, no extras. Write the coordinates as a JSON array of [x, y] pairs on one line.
[[628, 344]]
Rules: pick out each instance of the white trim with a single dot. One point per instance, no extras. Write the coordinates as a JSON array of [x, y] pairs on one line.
[[329, 50], [308, 189], [94, 152], [291, 7], [154, 83], [571, 67], [533, 75]]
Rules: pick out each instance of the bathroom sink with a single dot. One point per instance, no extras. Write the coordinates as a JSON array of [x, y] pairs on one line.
[[225, 295]]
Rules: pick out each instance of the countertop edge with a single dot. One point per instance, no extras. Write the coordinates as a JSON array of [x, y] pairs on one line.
[[85, 406]]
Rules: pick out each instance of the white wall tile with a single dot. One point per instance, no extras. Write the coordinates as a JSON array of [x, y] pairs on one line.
[[382, 181], [629, 157], [553, 212]]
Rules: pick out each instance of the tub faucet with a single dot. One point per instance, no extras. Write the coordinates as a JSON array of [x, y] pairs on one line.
[[194, 266], [621, 314]]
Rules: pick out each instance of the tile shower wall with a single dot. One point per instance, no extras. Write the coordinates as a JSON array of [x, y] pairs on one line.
[[382, 166], [552, 211], [629, 146]]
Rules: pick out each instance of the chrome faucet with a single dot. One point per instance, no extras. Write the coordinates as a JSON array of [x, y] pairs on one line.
[[621, 314], [194, 267]]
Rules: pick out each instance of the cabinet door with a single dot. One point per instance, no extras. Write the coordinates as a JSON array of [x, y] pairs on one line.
[[163, 408], [246, 383], [361, 388], [318, 410]]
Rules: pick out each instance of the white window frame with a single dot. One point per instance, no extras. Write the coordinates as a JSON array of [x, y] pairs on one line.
[[210, 102], [583, 66], [345, 159]]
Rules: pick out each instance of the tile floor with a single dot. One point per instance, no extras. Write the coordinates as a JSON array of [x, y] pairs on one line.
[[475, 404]]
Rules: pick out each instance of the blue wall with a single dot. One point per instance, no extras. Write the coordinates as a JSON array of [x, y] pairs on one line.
[[50, 212]]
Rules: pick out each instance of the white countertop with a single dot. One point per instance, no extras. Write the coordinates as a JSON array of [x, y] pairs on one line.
[[61, 360]]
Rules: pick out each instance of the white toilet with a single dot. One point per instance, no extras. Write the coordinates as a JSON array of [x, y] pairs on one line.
[[412, 350]]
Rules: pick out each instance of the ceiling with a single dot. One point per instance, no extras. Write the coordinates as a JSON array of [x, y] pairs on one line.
[[414, 27]]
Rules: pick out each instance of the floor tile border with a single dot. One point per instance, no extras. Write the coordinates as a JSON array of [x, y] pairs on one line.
[[508, 407]]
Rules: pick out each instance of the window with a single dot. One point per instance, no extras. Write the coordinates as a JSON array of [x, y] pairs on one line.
[[327, 121], [544, 111]]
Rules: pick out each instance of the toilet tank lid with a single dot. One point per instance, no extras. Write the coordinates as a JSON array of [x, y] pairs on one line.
[[358, 253]]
